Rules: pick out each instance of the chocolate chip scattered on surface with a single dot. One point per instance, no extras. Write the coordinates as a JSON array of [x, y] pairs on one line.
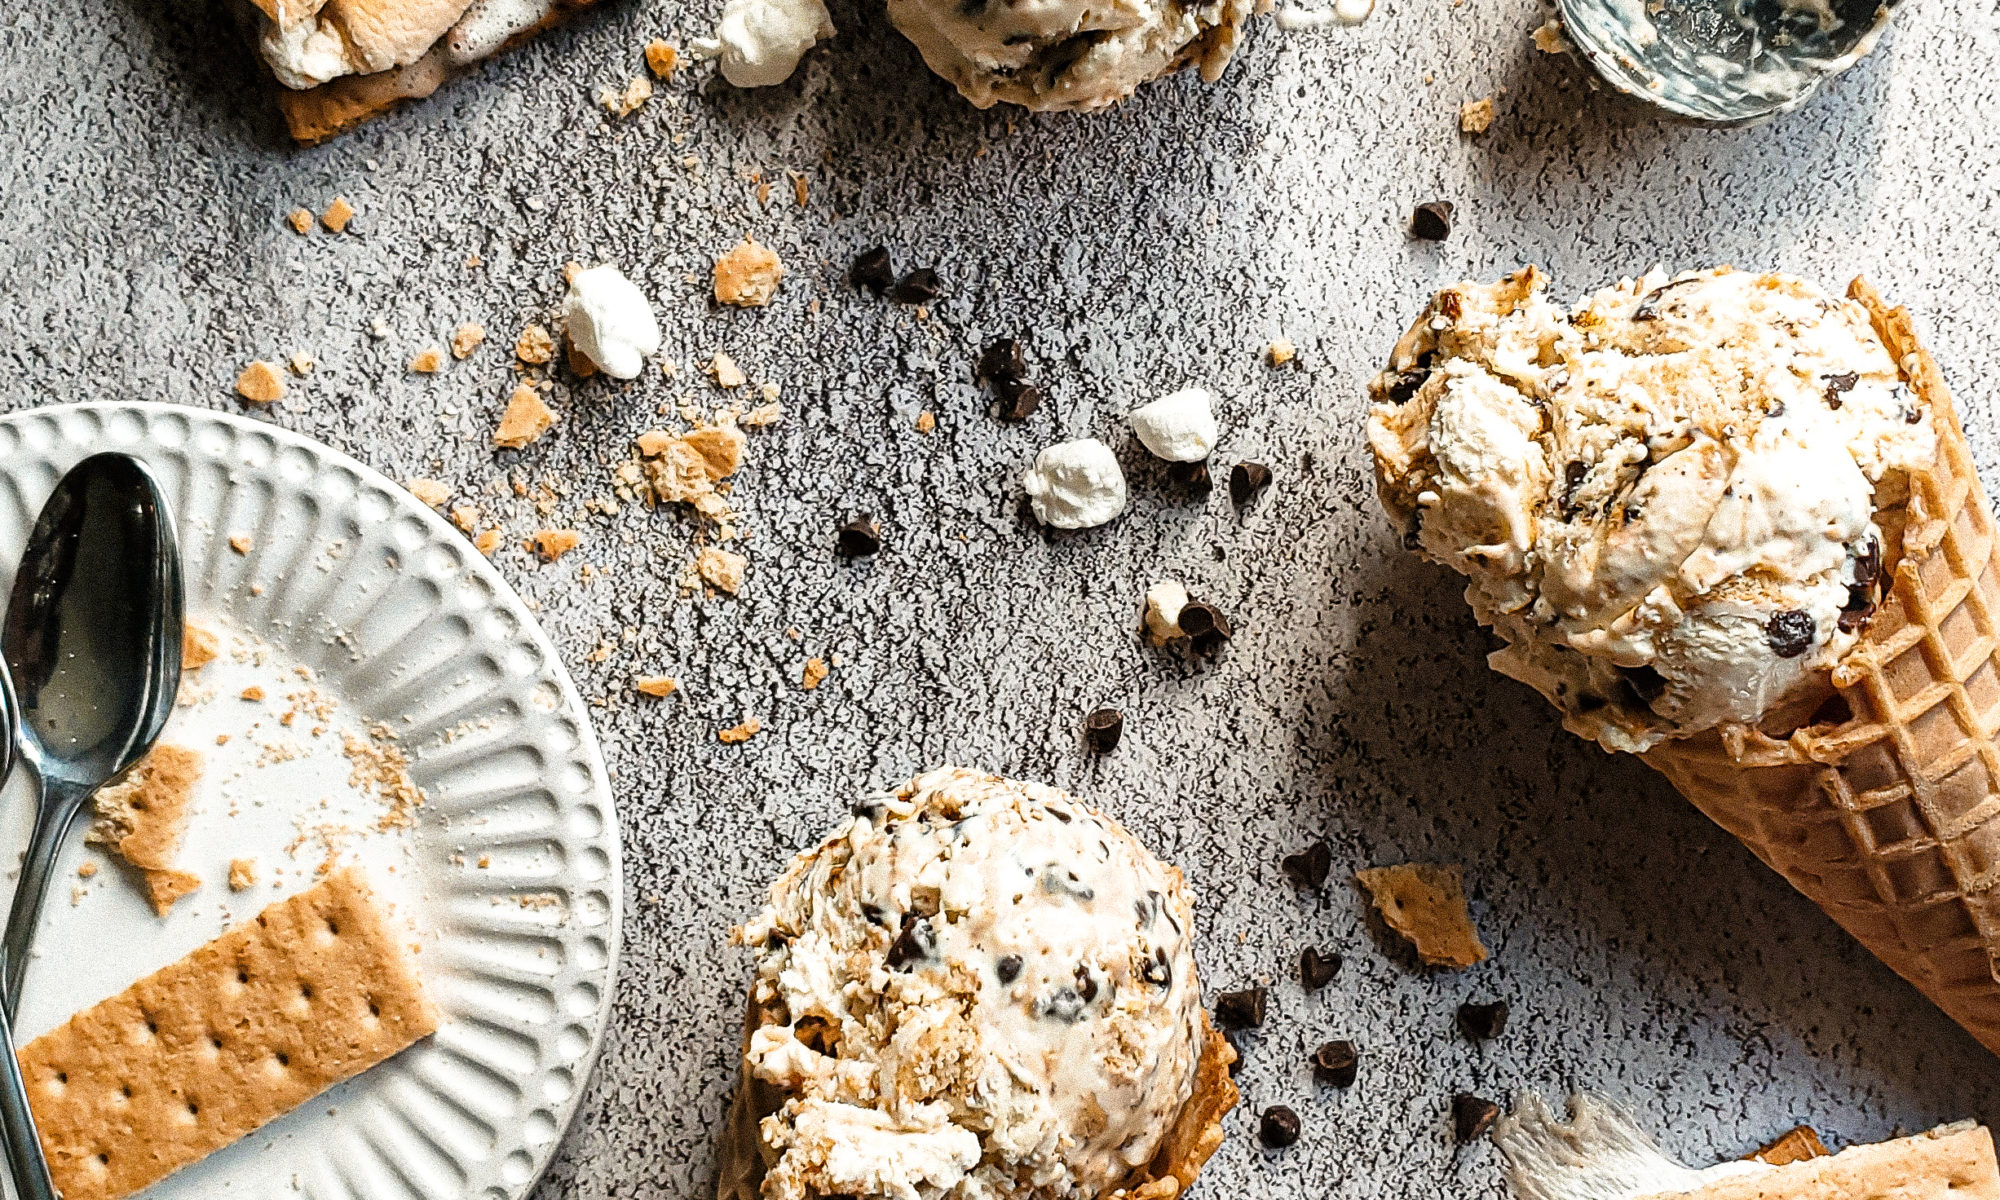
[[858, 538], [1002, 360], [1240, 1010], [1336, 1063], [1205, 625], [872, 270], [1317, 969], [1018, 400], [1308, 868], [1191, 475], [1278, 1127], [1246, 479], [1472, 1116], [1482, 1021], [920, 286], [1103, 728], [1432, 222]]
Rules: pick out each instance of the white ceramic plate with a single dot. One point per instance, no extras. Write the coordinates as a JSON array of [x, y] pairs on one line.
[[508, 880]]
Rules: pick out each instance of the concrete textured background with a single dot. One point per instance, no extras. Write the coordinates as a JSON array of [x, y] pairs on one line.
[[143, 255]]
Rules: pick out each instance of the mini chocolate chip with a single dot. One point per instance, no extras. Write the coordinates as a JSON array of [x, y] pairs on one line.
[[1336, 1063], [1086, 984], [1472, 1116], [875, 914], [1316, 970], [1001, 361], [1777, 409], [1018, 400], [918, 287], [1482, 1021], [1790, 633], [1278, 1127], [1855, 615], [1240, 1010], [858, 537], [1008, 968], [1200, 619], [1192, 475], [1836, 385], [1572, 479], [1246, 479], [1157, 970], [914, 944], [872, 271], [1648, 308], [1432, 221], [1912, 416], [1406, 385], [1103, 728], [1308, 867], [1645, 683], [1868, 563], [1063, 1005]]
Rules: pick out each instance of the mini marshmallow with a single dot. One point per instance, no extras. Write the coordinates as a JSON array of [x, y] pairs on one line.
[[610, 321], [1075, 485], [1180, 427], [760, 42]]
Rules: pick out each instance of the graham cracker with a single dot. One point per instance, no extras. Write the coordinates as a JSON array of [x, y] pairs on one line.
[[314, 990], [1796, 1145], [331, 109], [1425, 903], [141, 819], [1945, 1164]]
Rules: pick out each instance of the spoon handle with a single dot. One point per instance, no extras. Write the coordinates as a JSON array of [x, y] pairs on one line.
[[29, 1168], [56, 808]]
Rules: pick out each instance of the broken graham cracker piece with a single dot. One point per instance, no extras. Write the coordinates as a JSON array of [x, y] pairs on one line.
[[527, 418], [242, 874], [748, 276], [1955, 1162], [316, 989], [1796, 1145], [141, 819], [1425, 903], [198, 647], [260, 383]]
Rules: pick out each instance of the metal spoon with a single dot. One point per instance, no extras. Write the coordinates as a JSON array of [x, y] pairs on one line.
[[93, 640], [1722, 62], [7, 737]]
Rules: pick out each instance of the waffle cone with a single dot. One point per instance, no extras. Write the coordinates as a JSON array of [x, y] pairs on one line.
[[1883, 806], [1196, 1133]]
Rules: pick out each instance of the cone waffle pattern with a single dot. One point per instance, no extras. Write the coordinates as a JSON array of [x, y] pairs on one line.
[[1886, 810]]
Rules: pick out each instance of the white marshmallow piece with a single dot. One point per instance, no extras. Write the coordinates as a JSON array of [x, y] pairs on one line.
[[1180, 427], [1076, 485], [1164, 602], [760, 42], [609, 319]]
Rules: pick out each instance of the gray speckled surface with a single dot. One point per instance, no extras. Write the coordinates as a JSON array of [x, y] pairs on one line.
[[141, 243]]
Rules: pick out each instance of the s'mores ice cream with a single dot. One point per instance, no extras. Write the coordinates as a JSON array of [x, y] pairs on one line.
[[975, 988], [1731, 523]]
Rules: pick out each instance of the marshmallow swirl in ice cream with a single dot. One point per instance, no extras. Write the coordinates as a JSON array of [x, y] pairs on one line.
[[975, 989], [1664, 500]]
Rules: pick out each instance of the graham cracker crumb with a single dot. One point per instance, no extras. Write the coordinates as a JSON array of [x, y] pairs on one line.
[[252, 693], [86, 870], [465, 516], [380, 768], [552, 544], [141, 819], [300, 220], [242, 874], [466, 338], [762, 415], [337, 215], [534, 346], [199, 647], [815, 674], [1476, 116], [527, 418], [1281, 352], [429, 491], [801, 191], [926, 422], [580, 364], [625, 103], [725, 371], [722, 570], [662, 57], [260, 383], [1796, 1145], [748, 276], [1425, 904], [302, 364], [487, 542], [427, 361], [656, 686], [750, 728], [242, 544]]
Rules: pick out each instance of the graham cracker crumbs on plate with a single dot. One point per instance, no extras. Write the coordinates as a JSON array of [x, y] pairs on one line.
[[750, 728], [725, 372], [260, 383], [427, 361], [337, 215], [466, 338], [252, 693], [242, 544], [552, 544], [465, 516], [722, 570], [926, 422], [429, 491], [142, 817], [748, 276], [627, 102], [657, 686], [302, 364], [815, 674], [301, 220], [1281, 352], [683, 468], [527, 418], [1548, 37], [662, 57], [199, 646], [487, 542], [1476, 116], [801, 190], [762, 415], [86, 870], [534, 346], [1425, 904], [242, 874], [382, 769]]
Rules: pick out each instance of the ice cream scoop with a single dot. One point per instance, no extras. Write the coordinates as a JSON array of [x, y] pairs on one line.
[[1664, 499], [977, 988]]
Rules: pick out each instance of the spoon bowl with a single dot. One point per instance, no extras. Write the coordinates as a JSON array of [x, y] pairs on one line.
[[7, 736], [1722, 62]]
